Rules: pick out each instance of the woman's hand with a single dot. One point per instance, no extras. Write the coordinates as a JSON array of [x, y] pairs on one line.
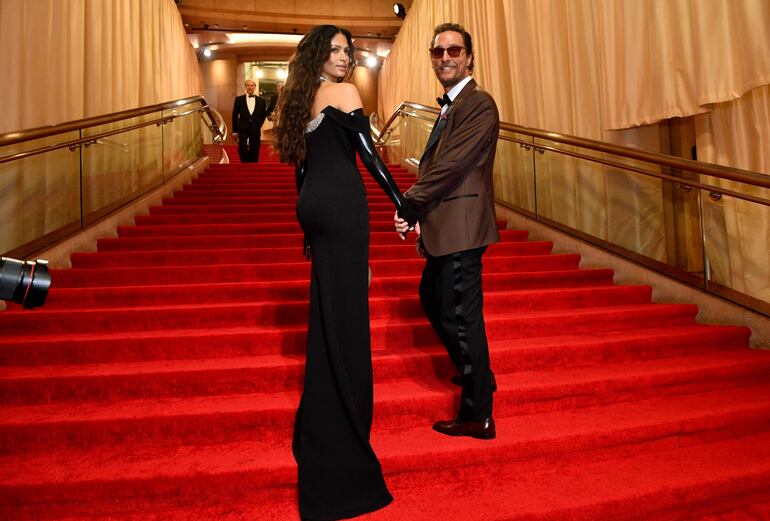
[[402, 227]]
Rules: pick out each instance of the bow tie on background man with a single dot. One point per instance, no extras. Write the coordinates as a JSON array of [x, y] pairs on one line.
[[252, 95], [443, 100]]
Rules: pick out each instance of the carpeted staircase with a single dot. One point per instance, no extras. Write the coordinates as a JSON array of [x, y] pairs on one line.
[[161, 378]]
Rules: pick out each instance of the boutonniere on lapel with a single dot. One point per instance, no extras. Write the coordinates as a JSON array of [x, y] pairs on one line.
[[443, 116]]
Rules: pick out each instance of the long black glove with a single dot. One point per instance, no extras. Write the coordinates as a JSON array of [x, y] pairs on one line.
[[381, 174], [299, 178]]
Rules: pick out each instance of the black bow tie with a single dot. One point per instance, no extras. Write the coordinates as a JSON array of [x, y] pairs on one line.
[[444, 100], [252, 95]]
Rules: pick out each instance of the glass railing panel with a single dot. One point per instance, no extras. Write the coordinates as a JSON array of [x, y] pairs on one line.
[[514, 174], [571, 191], [415, 133], [182, 139], [407, 136], [120, 167], [393, 142], [208, 136], [737, 242], [608, 198], [39, 194]]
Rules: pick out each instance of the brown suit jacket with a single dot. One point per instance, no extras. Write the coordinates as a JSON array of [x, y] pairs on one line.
[[454, 196]]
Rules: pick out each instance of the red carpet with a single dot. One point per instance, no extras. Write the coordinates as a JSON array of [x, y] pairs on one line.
[[161, 378]]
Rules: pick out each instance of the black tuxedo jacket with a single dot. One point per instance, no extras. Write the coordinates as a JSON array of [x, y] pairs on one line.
[[246, 124]]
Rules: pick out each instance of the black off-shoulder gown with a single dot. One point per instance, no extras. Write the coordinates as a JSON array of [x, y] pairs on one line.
[[339, 474]]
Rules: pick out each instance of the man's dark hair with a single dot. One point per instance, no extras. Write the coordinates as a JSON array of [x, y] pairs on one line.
[[467, 41]]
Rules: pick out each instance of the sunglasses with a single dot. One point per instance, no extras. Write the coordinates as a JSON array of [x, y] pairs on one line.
[[438, 52]]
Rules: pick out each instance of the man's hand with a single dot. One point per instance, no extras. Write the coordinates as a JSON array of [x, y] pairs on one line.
[[402, 227], [235, 135]]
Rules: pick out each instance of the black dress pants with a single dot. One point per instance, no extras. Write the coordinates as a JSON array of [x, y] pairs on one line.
[[248, 147], [451, 295]]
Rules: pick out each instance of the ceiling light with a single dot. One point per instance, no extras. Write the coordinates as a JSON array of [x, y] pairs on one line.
[[260, 74], [264, 38], [282, 74], [371, 62], [207, 52]]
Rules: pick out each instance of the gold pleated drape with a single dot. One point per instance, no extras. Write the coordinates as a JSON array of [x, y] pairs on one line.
[[610, 70]]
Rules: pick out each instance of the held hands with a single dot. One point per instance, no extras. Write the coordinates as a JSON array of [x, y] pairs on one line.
[[402, 227]]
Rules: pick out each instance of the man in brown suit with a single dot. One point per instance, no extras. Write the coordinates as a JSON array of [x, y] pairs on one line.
[[454, 202]]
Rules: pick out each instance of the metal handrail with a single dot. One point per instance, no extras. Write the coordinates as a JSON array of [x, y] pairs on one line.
[[683, 183], [221, 129], [11, 138], [92, 140], [700, 167]]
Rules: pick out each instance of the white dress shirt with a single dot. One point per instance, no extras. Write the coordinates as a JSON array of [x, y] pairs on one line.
[[454, 91]]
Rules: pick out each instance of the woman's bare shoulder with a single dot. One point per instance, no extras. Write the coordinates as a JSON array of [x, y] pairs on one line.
[[344, 96]]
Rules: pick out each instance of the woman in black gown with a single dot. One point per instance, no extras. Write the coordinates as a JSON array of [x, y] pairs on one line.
[[320, 127]]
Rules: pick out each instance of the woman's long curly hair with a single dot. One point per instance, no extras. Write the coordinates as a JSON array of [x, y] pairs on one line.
[[298, 93]]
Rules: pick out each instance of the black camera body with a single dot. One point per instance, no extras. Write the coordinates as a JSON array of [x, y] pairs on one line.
[[24, 282]]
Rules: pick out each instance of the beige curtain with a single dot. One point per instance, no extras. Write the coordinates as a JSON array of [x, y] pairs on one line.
[[668, 58], [737, 235], [65, 60], [600, 69], [70, 59]]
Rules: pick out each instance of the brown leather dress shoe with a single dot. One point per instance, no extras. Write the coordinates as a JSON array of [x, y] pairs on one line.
[[458, 380], [483, 430]]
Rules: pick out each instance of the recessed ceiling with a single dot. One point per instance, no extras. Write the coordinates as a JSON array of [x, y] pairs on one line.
[[216, 23]]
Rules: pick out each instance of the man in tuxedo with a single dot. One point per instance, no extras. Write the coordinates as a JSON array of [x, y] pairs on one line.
[[454, 202], [249, 113]]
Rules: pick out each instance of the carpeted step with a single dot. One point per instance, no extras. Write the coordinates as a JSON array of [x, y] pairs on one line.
[[267, 202], [288, 181], [267, 239], [225, 204], [672, 485], [239, 218], [267, 188], [418, 464], [123, 380], [139, 284], [210, 313], [744, 507], [166, 224], [239, 228], [233, 342], [403, 250], [193, 218], [199, 343], [399, 405], [291, 268], [186, 293]]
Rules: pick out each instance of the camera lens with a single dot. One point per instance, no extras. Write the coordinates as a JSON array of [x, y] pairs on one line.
[[24, 282]]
